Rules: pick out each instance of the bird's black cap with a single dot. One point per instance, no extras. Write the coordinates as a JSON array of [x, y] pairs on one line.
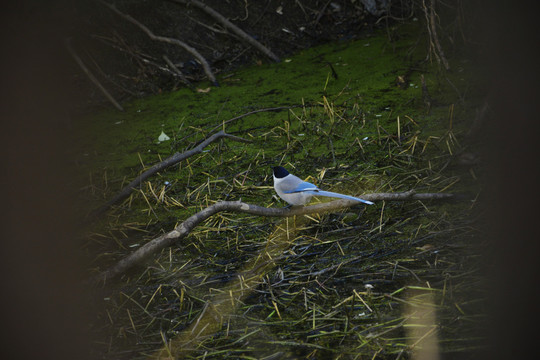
[[280, 172]]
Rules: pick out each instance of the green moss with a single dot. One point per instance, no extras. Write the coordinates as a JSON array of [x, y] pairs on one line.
[[349, 139], [363, 102]]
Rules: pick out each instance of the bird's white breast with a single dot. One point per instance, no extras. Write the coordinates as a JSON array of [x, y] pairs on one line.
[[295, 198]]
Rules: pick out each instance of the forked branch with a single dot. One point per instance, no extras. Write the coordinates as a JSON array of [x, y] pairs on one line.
[[169, 40]]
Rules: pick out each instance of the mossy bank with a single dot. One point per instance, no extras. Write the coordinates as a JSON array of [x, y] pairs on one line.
[[356, 117]]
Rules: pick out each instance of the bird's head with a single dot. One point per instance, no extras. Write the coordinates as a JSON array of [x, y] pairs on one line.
[[280, 172]]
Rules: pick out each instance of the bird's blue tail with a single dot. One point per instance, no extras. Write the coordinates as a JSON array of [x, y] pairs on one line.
[[341, 196]]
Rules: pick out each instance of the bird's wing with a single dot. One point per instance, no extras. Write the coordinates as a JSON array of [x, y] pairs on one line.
[[301, 187], [341, 196]]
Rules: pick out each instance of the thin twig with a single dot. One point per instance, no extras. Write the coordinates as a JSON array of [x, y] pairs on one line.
[[177, 71], [277, 108], [435, 37], [235, 29], [321, 13], [168, 40], [91, 76], [434, 44], [170, 161]]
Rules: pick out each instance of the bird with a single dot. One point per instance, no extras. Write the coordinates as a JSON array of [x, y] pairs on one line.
[[295, 191]]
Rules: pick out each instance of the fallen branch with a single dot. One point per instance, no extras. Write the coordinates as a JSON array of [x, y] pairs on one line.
[[435, 37], [434, 44], [173, 41], [272, 109], [170, 161], [91, 76], [235, 29], [177, 71], [278, 108], [321, 13], [184, 228]]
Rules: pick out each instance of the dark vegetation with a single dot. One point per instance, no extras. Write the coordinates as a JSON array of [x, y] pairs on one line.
[[365, 103], [128, 63]]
